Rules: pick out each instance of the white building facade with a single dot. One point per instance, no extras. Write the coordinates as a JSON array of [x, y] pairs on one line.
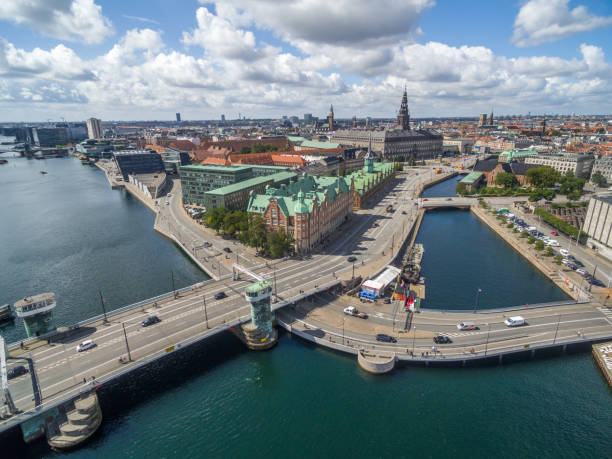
[[598, 225]]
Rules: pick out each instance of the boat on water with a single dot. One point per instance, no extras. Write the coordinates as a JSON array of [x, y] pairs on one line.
[[43, 172], [6, 313], [3, 161]]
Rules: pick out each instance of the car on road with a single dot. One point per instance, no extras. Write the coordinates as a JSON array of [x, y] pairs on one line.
[[425, 199], [85, 345], [167, 203], [385, 338], [169, 195], [220, 295], [554, 233], [441, 339], [207, 244], [515, 321], [403, 212], [449, 199], [150, 321], [387, 300], [552, 243], [227, 250], [582, 272], [467, 326], [352, 311], [596, 282], [351, 259], [17, 371]]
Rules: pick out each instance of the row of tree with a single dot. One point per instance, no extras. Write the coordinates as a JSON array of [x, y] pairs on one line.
[[258, 148], [250, 230]]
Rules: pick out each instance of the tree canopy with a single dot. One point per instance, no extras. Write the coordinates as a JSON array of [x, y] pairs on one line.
[[543, 177], [506, 179]]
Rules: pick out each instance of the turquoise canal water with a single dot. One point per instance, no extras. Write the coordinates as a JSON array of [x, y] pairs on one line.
[[67, 232], [445, 188], [218, 400]]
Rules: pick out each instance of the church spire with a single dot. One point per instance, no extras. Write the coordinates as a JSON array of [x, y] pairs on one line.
[[403, 117], [330, 118]]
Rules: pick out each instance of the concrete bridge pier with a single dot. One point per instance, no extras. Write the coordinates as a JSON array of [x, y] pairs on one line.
[[259, 334]]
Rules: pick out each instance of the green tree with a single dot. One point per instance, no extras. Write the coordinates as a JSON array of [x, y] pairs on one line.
[[461, 189], [539, 245], [514, 230], [598, 179], [215, 218], [506, 179], [543, 177], [559, 259], [549, 251], [510, 225], [531, 239], [524, 234], [245, 150], [280, 243]]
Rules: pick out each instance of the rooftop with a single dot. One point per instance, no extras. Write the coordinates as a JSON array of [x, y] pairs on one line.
[[280, 176], [471, 177]]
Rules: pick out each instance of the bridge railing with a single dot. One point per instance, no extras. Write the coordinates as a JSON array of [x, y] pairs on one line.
[[508, 308]]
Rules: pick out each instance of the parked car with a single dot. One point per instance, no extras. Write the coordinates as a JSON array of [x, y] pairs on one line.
[[425, 199], [467, 326], [596, 282], [167, 203], [150, 321], [441, 339], [403, 212], [351, 259], [385, 338], [552, 243], [582, 272], [207, 244], [17, 371], [227, 250], [85, 345], [554, 233], [564, 252], [220, 295]]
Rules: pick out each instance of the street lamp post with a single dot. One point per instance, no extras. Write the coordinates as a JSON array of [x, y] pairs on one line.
[[477, 295], [487, 343], [557, 329], [205, 311], [127, 346], [353, 276], [173, 288], [103, 308], [413, 338]]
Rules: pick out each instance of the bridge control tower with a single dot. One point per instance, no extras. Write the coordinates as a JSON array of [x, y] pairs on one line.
[[37, 313], [260, 333]]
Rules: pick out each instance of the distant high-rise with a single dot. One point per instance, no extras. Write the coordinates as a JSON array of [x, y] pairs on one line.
[[403, 117], [94, 128], [307, 118], [482, 120], [178, 117], [491, 118], [354, 121], [223, 118]]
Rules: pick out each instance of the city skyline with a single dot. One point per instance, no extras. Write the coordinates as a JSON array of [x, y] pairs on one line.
[[77, 59]]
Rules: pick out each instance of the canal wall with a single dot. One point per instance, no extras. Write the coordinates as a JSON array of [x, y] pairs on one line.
[[546, 267]]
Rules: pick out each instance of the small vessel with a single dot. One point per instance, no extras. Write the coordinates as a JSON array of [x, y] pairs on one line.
[[43, 172], [5, 312], [3, 161]]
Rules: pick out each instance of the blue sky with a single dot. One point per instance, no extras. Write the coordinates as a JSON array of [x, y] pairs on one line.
[[148, 59]]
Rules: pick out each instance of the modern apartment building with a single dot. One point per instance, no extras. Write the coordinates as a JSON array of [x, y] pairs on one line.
[[134, 162], [598, 225], [580, 164], [604, 166], [94, 128]]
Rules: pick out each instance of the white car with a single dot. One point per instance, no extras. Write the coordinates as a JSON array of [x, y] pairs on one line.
[[564, 252], [85, 345], [515, 321], [167, 203], [581, 271], [553, 243]]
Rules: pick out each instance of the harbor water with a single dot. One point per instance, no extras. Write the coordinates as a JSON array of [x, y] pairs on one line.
[[67, 232]]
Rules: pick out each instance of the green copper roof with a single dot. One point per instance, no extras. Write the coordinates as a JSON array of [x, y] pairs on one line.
[[258, 287], [471, 178]]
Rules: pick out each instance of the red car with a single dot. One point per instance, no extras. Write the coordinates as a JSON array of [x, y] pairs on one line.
[[554, 233], [425, 199]]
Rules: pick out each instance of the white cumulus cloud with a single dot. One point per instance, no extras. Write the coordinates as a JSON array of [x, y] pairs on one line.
[[545, 21]]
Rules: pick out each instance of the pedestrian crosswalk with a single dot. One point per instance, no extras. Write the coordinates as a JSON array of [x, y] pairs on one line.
[[457, 334], [606, 312]]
